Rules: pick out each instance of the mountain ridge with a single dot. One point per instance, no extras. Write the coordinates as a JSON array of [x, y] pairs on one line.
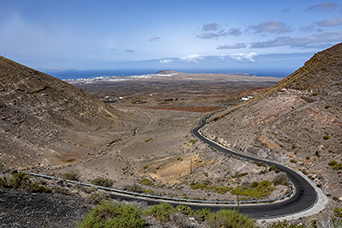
[[47, 121]]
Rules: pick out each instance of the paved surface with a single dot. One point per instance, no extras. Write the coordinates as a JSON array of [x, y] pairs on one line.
[[305, 196]]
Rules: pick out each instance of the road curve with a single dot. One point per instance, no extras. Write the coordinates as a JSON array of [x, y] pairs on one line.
[[304, 198]]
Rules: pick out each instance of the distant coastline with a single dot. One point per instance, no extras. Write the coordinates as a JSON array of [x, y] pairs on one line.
[[87, 74]]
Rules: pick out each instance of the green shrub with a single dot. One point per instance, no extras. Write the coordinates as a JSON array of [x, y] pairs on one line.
[[70, 176], [281, 180], [145, 167], [113, 215], [307, 157], [293, 161], [134, 188], [273, 167], [229, 218], [338, 212], [202, 215], [237, 175], [102, 182], [179, 159], [326, 137], [146, 182], [327, 106], [337, 166], [332, 163], [147, 140], [192, 141], [161, 211], [314, 94], [97, 198], [19, 180], [256, 190], [185, 210]]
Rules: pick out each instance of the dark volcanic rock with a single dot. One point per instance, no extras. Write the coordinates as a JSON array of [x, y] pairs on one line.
[[22, 209]]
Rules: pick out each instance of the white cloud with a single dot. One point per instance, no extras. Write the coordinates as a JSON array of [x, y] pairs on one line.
[[300, 42], [210, 27], [330, 22], [270, 26], [156, 38], [192, 58], [234, 46], [326, 6], [165, 61], [240, 56]]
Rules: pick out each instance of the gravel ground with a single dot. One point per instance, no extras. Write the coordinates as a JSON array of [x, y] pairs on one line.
[[23, 209]]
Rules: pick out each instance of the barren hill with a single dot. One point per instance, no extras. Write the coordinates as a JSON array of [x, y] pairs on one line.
[[45, 121], [294, 114], [297, 122]]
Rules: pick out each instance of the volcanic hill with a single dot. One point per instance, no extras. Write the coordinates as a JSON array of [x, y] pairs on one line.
[[45, 121], [297, 122]]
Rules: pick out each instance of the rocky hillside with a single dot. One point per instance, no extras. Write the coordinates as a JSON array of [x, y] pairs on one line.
[[300, 114], [297, 122], [46, 121]]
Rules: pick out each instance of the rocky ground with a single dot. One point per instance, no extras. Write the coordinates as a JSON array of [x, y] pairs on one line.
[[298, 122]]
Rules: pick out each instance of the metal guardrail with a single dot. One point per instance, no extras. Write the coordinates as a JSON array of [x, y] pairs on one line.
[[163, 197], [148, 196]]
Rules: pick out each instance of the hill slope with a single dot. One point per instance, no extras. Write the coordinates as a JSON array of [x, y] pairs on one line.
[[297, 122], [46, 121]]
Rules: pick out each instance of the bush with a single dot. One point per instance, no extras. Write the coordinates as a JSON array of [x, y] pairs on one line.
[[229, 218], [281, 179], [332, 163], [21, 180], [237, 175], [113, 215], [185, 210], [272, 167], [326, 137], [97, 198], [256, 190], [202, 215], [293, 161], [70, 176], [161, 211], [146, 182], [327, 106], [102, 182], [134, 188], [337, 166]]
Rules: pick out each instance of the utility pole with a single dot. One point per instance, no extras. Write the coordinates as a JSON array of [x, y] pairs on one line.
[[237, 195]]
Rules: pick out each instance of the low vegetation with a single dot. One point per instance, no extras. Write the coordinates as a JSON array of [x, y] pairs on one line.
[[255, 190], [22, 181], [124, 215], [113, 215], [70, 176], [102, 182]]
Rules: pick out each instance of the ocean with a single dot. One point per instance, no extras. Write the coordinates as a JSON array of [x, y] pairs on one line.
[[73, 74]]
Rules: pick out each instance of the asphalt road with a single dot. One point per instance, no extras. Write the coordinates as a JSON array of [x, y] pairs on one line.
[[304, 198]]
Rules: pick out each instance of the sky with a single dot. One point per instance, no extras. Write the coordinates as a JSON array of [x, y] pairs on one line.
[[234, 36]]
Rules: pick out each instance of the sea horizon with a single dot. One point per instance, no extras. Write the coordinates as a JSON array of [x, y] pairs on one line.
[[87, 74]]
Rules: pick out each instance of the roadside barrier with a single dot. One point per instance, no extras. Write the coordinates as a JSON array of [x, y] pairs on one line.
[[148, 196]]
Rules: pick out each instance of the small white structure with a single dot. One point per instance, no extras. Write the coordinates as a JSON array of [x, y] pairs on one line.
[[246, 98]]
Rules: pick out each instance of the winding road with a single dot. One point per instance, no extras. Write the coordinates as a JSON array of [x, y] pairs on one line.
[[304, 198]]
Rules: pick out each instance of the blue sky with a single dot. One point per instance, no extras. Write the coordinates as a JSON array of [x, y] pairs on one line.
[[161, 34]]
